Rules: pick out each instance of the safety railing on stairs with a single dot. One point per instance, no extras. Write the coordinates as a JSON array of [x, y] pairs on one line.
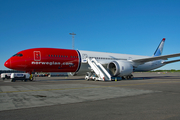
[[100, 71]]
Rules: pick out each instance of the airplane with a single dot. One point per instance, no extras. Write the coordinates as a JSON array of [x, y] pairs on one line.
[[79, 62]]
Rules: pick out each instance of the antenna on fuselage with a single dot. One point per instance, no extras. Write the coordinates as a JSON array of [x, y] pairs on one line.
[[72, 39]]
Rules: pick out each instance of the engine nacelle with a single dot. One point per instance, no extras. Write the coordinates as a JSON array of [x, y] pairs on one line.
[[120, 68]]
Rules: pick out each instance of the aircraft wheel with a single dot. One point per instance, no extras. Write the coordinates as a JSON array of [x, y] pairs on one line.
[[131, 76]]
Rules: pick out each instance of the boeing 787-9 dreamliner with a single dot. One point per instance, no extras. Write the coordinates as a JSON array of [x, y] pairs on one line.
[[103, 65]]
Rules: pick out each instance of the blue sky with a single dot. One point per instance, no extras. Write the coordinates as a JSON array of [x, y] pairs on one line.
[[117, 26]]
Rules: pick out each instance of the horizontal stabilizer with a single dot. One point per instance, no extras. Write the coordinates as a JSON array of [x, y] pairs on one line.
[[163, 57], [167, 62]]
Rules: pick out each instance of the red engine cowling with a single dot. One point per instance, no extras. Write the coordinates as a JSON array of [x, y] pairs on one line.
[[120, 68]]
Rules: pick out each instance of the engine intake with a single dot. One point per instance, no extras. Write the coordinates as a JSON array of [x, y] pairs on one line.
[[120, 68]]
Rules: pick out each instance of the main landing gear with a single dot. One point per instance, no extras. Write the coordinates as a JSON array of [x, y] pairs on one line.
[[128, 77]]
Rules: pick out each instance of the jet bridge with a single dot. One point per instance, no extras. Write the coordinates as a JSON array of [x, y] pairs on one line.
[[99, 70]]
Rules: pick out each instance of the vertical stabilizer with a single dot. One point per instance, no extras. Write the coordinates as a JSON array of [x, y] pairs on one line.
[[159, 49]]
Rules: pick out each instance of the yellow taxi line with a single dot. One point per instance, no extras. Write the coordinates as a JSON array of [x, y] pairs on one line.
[[88, 87]]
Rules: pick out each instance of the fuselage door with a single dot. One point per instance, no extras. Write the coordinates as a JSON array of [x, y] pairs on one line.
[[84, 58], [37, 56]]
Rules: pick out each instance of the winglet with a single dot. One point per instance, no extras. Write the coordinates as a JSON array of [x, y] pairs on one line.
[[159, 49]]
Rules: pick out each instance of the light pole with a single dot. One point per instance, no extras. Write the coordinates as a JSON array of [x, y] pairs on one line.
[[72, 39]]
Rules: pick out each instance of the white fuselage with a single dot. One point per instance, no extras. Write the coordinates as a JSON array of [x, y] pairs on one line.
[[104, 58]]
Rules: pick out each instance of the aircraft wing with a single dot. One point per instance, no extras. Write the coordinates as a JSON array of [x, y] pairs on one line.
[[163, 57]]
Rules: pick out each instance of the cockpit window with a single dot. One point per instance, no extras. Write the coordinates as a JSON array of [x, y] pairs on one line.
[[18, 55], [15, 55]]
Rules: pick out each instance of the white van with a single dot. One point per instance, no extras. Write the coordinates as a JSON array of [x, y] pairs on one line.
[[21, 76], [5, 76], [17, 76]]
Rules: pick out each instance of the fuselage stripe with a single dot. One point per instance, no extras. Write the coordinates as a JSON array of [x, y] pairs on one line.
[[79, 65]]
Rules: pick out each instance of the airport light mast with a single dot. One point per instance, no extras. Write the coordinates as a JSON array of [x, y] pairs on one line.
[[72, 39]]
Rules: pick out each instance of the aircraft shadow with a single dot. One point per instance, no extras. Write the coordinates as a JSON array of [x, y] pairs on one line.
[[155, 77]]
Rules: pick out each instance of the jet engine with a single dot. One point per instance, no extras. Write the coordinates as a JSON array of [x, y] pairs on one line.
[[120, 68]]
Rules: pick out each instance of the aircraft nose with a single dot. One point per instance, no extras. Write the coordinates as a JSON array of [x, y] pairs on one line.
[[8, 63]]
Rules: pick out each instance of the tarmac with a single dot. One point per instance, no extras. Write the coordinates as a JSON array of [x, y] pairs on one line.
[[149, 96]]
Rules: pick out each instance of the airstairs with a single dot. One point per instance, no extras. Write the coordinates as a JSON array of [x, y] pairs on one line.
[[100, 71]]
